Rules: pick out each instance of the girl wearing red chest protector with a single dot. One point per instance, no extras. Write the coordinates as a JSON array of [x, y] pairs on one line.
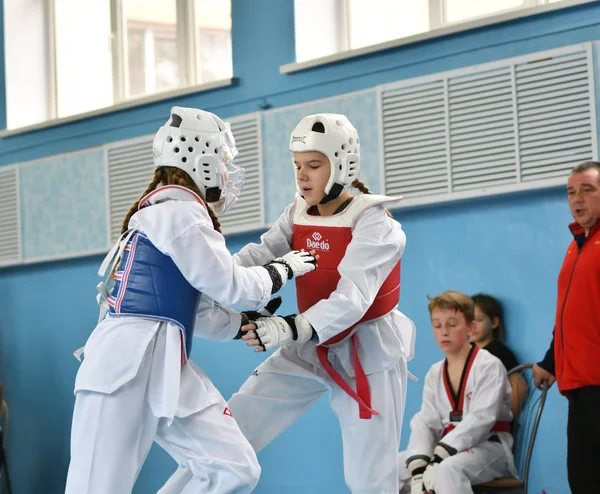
[[348, 338]]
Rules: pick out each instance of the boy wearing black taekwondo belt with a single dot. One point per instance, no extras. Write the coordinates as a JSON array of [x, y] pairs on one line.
[[461, 436], [348, 338]]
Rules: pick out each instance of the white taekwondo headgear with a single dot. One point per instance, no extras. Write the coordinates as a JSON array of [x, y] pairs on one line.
[[202, 145], [335, 137]]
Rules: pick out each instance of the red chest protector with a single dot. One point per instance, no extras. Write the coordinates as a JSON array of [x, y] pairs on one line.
[[330, 243], [330, 236]]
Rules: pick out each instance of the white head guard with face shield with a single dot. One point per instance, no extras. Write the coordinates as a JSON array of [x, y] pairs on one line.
[[334, 136], [202, 145]]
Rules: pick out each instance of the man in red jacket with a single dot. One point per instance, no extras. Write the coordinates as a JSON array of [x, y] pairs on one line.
[[573, 359]]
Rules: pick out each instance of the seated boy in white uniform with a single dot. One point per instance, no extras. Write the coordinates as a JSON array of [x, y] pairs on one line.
[[461, 436]]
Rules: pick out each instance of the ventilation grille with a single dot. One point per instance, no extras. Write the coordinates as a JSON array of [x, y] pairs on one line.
[[248, 212], [10, 241], [414, 137], [555, 115], [482, 130], [517, 124], [130, 170]]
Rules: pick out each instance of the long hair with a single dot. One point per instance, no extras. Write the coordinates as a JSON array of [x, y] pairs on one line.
[[491, 307], [364, 189], [169, 175]]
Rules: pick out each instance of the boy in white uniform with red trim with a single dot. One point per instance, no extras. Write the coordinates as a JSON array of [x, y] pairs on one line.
[[461, 436], [349, 339], [166, 276]]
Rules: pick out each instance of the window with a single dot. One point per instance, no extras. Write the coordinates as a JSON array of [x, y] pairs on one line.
[[150, 40], [28, 95], [84, 55], [213, 42], [377, 21], [326, 27], [465, 10]]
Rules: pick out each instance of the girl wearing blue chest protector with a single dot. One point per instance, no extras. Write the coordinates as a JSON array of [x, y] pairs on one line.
[[170, 278]]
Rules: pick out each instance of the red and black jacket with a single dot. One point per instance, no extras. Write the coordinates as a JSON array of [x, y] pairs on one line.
[[573, 356]]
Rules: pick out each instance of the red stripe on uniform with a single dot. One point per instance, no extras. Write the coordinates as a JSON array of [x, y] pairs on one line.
[[125, 274]]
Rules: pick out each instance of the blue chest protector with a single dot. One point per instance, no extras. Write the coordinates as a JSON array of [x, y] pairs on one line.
[[148, 284]]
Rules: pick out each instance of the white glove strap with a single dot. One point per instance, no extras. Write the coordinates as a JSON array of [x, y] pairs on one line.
[[417, 463], [442, 452], [304, 328]]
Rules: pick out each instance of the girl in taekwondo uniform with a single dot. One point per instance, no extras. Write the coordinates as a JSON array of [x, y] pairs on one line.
[[168, 272], [348, 338]]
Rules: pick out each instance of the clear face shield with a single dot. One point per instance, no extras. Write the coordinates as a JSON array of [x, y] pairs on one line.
[[231, 176]]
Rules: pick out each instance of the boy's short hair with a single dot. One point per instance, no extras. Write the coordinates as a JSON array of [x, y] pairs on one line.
[[453, 300]]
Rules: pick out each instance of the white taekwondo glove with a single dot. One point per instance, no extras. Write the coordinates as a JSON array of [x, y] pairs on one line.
[[416, 468], [440, 453], [293, 264], [297, 262], [252, 315], [275, 332]]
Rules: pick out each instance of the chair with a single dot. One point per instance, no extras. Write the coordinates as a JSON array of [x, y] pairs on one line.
[[4, 478], [525, 429]]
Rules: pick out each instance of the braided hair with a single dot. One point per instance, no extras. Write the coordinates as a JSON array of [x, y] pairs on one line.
[[169, 175], [364, 189]]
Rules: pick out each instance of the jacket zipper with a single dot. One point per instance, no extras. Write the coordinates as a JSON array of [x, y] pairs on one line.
[[562, 312]]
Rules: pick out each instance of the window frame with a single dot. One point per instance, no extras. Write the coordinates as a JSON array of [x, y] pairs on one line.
[[438, 29], [187, 39]]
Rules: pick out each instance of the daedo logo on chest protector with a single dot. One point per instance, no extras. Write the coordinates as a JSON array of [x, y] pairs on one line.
[[317, 242]]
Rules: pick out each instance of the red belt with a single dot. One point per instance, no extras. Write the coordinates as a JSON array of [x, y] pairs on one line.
[[497, 427], [362, 395]]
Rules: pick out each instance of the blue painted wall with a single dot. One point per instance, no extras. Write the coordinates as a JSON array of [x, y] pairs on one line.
[[510, 246], [63, 205]]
